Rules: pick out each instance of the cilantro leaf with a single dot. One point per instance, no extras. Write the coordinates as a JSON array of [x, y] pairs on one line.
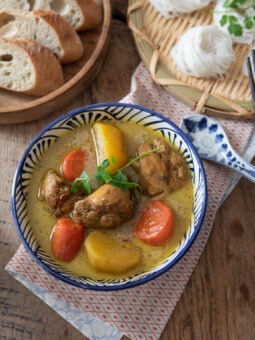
[[121, 180], [224, 20], [82, 182], [248, 23], [75, 187], [235, 29], [125, 186], [114, 162], [232, 19], [120, 177], [230, 16], [105, 163], [103, 175], [86, 187]]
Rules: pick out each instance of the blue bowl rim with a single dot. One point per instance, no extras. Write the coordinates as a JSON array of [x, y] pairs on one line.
[[124, 285]]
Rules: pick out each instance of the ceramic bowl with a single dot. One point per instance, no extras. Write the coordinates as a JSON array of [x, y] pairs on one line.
[[89, 115]]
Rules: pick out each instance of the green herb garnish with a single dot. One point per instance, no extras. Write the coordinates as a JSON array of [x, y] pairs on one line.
[[82, 182], [232, 21], [103, 175]]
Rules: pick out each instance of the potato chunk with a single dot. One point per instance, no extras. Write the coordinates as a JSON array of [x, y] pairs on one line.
[[109, 141], [109, 255]]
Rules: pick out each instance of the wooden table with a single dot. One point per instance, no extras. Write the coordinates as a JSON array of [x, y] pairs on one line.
[[219, 300]]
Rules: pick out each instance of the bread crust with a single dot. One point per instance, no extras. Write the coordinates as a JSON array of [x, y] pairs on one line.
[[69, 40], [48, 71], [92, 14]]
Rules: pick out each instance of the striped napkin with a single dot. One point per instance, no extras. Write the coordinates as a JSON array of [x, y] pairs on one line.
[[142, 312]]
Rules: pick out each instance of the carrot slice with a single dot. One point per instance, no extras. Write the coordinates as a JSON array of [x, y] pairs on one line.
[[155, 224], [73, 164], [66, 239]]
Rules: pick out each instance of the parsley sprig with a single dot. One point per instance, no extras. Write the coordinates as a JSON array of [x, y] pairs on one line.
[[103, 175], [231, 20]]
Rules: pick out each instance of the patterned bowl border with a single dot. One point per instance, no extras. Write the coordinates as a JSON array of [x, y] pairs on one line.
[[89, 115]]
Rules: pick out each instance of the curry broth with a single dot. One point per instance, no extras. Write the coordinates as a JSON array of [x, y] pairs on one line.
[[42, 221]]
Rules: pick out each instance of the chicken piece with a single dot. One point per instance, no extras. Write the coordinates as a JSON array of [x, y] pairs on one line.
[[56, 192], [66, 206], [107, 207], [153, 170], [178, 171], [161, 170]]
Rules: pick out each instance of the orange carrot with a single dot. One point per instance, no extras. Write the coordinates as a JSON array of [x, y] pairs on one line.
[[155, 224], [73, 164], [66, 239]]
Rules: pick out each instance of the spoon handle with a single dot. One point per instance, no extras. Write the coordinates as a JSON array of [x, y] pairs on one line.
[[238, 164]]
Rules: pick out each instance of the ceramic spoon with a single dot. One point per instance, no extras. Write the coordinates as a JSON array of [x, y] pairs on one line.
[[212, 143]]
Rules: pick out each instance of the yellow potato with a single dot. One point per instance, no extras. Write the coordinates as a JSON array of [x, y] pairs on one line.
[[109, 141], [109, 255]]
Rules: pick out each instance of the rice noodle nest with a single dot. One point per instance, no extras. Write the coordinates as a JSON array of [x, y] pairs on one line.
[[203, 51], [173, 8]]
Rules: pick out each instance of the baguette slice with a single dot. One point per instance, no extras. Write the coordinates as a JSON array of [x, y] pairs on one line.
[[81, 14], [47, 28], [29, 67], [15, 4]]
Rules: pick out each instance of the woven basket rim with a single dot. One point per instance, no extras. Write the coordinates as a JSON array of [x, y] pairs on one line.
[[204, 102]]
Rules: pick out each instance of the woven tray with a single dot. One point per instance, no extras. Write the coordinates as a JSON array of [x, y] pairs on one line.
[[155, 36]]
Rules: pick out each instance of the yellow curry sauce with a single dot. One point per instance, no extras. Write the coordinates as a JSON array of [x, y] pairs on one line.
[[42, 221]]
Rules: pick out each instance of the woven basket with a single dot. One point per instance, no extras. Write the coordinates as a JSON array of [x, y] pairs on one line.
[[155, 36]]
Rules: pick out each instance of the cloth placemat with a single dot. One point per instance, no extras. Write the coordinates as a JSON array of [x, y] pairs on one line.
[[142, 312]]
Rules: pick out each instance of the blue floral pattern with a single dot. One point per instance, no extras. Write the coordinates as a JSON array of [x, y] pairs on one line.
[[212, 143]]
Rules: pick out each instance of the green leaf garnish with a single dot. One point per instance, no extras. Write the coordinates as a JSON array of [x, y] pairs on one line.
[[224, 20], [105, 163], [125, 186], [235, 29], [86, 187], [82, 182], [121, 180], [118, 179], [114, 162], [230, 18], [103, 175], [248, 22]]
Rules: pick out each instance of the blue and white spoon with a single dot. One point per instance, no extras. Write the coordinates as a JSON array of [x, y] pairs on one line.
[[211, 142]]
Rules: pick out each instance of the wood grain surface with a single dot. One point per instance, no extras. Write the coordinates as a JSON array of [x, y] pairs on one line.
[[219, 300]]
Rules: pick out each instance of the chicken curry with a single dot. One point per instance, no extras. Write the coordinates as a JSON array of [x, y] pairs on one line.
[[110, 200]]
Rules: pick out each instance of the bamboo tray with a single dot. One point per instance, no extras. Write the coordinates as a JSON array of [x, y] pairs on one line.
[[19, 108], [155, 36]]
